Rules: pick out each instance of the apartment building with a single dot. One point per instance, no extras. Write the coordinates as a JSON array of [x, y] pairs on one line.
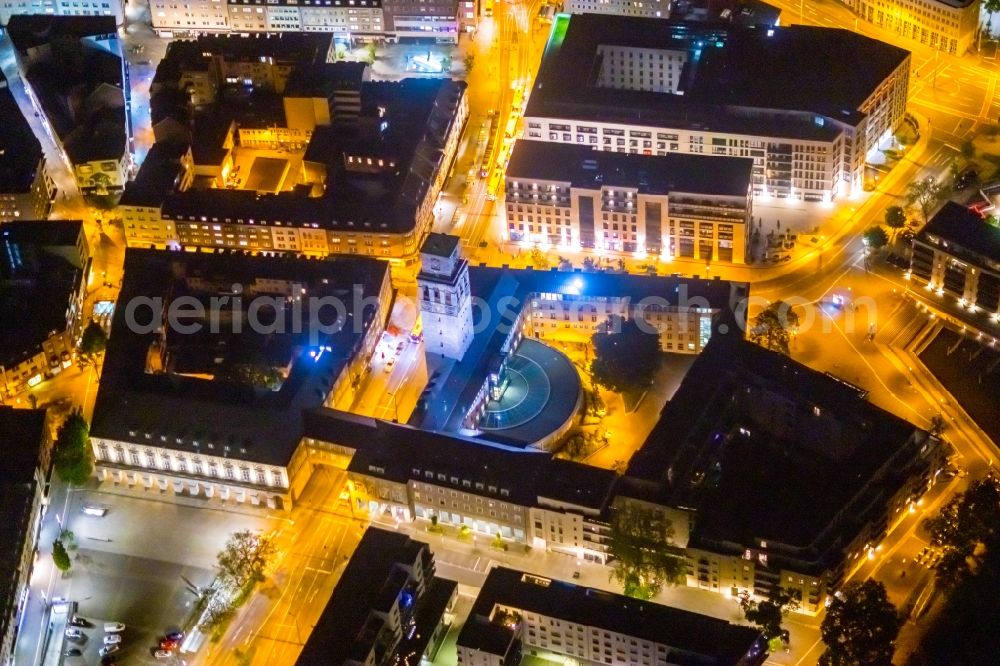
[[646, 8], [26, 190], [112, 8], [388, 606], [43, 270], [722, 90], [850, 470], [23, 495], [168, 168], [95, 135], [674, 205], [948, 25], [958, 253], [348, 20], [517, 614], [198, 425]]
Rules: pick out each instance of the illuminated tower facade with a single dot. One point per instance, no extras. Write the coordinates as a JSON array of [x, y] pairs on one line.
[[445, 298]]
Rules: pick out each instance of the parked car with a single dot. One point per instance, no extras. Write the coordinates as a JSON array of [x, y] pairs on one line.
[[109, 649], [175, 636], [94, 510], [77, 621], [74, 633], [163, 654], [167, 644], [112, 639], [73, 652], [113, 627], [966, 179], [390, 363]]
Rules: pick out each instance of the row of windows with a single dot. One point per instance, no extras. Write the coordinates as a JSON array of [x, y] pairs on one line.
[[194, 465]]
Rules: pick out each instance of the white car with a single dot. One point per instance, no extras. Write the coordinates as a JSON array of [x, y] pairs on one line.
[[94, 510], [112, 639], [113, 627], [389, 364], [73, 632], [108, 649], [163, 654]]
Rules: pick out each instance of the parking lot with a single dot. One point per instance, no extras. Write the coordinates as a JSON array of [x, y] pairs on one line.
[[141, 564]]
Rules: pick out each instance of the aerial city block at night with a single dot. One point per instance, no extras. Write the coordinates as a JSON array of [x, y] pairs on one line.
[[500, 332]]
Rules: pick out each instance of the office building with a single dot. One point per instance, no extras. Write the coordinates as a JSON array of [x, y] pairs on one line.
[[217, 411], [520, 614], [674, 205], [958, 253], [389, 607], [43, 280], [806, 104], [298, 155], [23, 493], [26, 190], [349, 21], [848, 472], [95, 136], [112, 8], [951, 26]]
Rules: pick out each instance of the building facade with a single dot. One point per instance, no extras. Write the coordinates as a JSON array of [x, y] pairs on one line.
[[715, 105], [947, 25], [569, 196], [958, 253], [26, 190], [445, 297], [114, 8]]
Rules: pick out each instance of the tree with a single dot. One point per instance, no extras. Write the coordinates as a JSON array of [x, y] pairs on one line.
[[625, 356], [938, 425], [875, 238], [769, 614], [966, 528], [925, 194], [639, 547], [370, 54], [895, 216], [771, 327], [245, 557], [538, 259], [71, 452], [470, 61], [860, 627], [991, 7], [94, 340], [249, 368], [60, 557]]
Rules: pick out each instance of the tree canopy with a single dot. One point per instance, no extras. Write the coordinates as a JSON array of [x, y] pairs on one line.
[[966, 528], [60, 557], [641, 559], [245, 557], [895, 216], [875, 238], [925, 194], [769, 615], [771, 327], [71, 453], [626, 357], [860, 627], [94, 340]]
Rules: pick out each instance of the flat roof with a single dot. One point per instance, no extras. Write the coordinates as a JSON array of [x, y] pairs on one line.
[[764, 448], [399, 453], [582, 166], [369, 580], [705, 639], [20, 152], [157, 176], [963, 228], [739, 71], [439, 245], [212, 417], [37, 282]]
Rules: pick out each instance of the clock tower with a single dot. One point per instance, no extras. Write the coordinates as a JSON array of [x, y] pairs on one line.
[[445, 297]]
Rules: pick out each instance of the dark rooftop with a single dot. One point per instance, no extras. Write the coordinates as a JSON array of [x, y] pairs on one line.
[[399, 453], [20, 151], [372, 577], [30, 30], [762, 447], [964, 233], [157, 177], [440, 245], [798, 68], [37, 283], [192, 414], [695, 638], [584, 167]]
